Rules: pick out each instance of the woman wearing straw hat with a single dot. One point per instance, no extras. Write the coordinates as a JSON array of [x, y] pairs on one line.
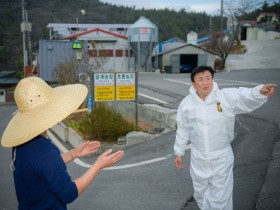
[[40, 175]]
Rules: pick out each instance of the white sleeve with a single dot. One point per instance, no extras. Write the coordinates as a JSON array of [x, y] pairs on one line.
[[182, 134], [249, 99]]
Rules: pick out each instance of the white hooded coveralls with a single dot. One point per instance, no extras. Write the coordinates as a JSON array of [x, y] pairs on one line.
[[209, 126]]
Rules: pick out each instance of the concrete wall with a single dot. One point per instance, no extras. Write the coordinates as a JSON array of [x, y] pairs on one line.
[[151, 114], [254, 33], [67, 134], [70, 136]]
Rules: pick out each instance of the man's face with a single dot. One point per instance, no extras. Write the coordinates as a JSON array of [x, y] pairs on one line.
[[203, 83]]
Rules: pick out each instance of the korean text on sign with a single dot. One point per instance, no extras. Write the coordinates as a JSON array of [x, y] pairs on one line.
[[104, 87]]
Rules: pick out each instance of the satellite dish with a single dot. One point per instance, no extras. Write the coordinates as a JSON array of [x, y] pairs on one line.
[[83, 77]]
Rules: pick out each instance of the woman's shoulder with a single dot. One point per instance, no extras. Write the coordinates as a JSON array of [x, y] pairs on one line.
[[43, 145]]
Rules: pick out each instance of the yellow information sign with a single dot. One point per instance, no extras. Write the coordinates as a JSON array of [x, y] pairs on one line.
[[125, 92], [106, 90], [125, 86], [104, 93], [104, 87]]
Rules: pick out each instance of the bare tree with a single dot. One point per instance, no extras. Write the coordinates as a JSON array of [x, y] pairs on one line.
[[66, 72], [223, 46], [235, 12]]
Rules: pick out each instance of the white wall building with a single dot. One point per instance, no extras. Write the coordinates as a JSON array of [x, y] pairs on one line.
[[192, 38], [111, 47]]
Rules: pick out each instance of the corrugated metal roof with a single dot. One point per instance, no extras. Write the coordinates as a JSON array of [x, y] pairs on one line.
[[96, 29], [202, 39], [174, 39], [73, 25], [8, 77], [143, 22], [65, 29], [186, 45]]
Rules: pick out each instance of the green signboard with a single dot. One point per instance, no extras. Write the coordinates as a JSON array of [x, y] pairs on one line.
[[77, 45]]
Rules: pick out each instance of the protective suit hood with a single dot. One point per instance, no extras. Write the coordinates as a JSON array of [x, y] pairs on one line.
[[210, 98]]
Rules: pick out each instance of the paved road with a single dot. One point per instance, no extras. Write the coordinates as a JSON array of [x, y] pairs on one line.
[[7, 192], [261, 54], [158, 185]]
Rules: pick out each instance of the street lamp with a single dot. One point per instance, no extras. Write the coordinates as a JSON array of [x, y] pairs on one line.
[[90, 99], [82, 12]]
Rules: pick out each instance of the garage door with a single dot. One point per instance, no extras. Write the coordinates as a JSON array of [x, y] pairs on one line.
[[202, 59], [2, 95]]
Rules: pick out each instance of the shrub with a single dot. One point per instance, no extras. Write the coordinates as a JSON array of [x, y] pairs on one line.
[[19, 75], [218, 64], [104, 124]]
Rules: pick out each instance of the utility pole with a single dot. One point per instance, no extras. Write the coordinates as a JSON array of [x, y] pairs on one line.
[[222, 11], [210, 32], [23, 29], [26, 29], [28, 34], [210, 26]]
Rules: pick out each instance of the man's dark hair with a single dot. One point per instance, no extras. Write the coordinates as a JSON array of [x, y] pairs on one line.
[[200, 69]]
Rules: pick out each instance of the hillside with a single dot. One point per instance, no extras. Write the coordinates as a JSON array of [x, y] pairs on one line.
[[40, 13]]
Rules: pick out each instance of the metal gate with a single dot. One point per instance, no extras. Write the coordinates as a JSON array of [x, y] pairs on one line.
[[175, 63], [202, 59]]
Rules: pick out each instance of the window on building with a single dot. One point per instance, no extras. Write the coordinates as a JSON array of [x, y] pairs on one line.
[[11, 90]]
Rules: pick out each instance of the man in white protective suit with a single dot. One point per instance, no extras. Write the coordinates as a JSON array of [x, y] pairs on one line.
[[205, 118]]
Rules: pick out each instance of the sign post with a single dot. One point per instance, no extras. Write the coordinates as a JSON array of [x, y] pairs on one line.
[[89, 103]]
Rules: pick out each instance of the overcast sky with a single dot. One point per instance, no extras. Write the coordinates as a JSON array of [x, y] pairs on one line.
[[212, 7], [209, 6]]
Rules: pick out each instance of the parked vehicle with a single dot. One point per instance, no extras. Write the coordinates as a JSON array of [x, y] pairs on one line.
[[185, 68]]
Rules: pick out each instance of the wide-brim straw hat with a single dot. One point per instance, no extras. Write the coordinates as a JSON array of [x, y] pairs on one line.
[[40, 107]]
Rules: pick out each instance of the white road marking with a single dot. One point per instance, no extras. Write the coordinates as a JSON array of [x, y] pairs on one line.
[[143, 162], [85, 165], [136, 164], [228, 84], [188, 83], [242, 125], [235, 81], [172, 80], [155, 99]]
